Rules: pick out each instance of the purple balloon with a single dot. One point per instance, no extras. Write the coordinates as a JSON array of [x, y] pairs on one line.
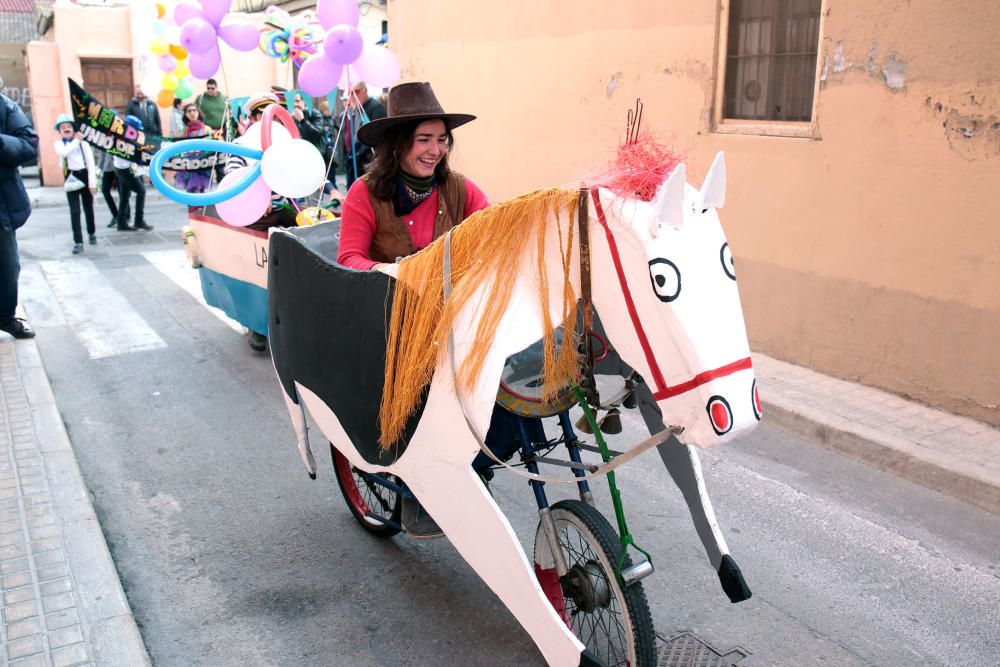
[[343, 44], [215, 10], [240, 36], [319, 75], [204, 65], [185, 12], [197, 36], [377, 66], [337, 12], [167, 63]]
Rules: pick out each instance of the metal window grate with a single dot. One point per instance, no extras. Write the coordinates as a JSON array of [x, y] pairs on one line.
[[771, 59]]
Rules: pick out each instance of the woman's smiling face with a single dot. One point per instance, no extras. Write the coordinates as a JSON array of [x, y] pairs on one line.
[[430, 144]]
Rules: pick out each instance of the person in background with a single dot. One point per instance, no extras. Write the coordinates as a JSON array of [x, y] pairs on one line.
[[18, 145], [78, 161], [194, 180], [212, 105], [361, 109], [106, 165], [177, 119], [310, 123], [128, 183], [330, 126], [145, 110]]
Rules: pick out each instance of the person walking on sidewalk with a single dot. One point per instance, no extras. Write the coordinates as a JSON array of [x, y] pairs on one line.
[[128, 183], [81, 176], [145, 110], [106, 165], [18, 145]]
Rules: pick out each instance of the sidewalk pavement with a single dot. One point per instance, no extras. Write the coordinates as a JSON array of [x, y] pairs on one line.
[[51, 196], [63, 603]]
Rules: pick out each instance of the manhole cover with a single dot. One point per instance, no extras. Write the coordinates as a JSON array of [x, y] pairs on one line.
[[686, 650]]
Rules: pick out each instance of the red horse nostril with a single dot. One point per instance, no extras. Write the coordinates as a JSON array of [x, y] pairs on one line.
[[755, 399], [720, 414]]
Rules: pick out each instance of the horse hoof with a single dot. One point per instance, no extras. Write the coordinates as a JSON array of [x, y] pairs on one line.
[[732, 580], [588, 659]]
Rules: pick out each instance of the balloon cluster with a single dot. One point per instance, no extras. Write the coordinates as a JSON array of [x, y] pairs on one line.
[[201, 29], [171, 77], [282, 162], [344, 49], [287, 37]]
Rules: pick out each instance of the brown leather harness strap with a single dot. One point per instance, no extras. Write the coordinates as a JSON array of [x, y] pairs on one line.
[[587, 382]]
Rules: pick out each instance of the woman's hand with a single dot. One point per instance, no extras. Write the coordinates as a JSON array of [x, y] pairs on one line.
[[387, 269]]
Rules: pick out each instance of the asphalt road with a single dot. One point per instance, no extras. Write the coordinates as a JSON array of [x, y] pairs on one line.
[[230, 555]]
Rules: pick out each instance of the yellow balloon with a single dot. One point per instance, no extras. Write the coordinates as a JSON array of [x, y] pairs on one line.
[[159, 47], [165, 99], [308, 217], [160, 10], [178, 51], [182, 70], [169, 82]]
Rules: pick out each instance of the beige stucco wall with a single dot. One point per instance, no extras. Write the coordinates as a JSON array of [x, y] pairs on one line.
[[871, 252]]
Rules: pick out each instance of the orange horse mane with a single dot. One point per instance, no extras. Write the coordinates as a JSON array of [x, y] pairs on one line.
[[485, 249]]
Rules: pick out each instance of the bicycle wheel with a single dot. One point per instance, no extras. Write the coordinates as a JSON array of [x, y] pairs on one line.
[[365, 497], [612, 621]]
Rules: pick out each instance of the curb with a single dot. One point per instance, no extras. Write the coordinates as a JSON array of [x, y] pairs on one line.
[[927, 468], [111, 630], [56, 198]]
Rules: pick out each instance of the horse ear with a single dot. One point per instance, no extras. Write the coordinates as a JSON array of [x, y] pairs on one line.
[[713, 190], [670, 203]]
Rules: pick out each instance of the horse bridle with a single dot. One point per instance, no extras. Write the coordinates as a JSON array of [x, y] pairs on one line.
[[661, 389]]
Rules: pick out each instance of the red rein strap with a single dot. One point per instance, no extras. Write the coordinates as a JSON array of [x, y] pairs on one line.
[[663, 391]]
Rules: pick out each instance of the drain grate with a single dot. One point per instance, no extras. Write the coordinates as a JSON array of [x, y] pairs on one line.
[[686, 650]]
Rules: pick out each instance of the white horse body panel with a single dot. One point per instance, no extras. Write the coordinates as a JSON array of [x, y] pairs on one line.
[[684, 333]]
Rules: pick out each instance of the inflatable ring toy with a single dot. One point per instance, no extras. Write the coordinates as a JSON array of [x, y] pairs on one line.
[[211, 145]]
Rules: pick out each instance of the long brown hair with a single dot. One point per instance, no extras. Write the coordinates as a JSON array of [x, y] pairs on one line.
[[385, 164]]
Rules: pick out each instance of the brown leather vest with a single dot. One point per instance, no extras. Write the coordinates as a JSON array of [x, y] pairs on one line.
[[392, 237]]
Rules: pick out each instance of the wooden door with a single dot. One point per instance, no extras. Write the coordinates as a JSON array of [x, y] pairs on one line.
[[110, 81]]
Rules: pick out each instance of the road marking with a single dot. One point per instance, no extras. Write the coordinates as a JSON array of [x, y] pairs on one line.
[[174, 264], [40, 304], [102, 319]]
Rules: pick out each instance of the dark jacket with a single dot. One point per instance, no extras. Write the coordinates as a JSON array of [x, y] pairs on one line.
[[311, 127], [18, 145], [363, 153], [147, 112]]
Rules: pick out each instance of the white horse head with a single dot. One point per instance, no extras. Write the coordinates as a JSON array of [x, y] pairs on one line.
[[684, 330]]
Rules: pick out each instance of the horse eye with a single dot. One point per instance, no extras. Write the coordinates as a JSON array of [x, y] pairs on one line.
[[666, 279], [726, 255]]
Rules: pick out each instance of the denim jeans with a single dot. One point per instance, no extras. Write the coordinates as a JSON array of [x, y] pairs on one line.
[[10, 268]]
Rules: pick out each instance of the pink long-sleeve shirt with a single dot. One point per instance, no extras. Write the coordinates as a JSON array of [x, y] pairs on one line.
[[357, 227]]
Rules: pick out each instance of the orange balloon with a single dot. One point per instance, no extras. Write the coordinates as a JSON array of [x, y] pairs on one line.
[[178, 51], [160, 10], [165, 98]]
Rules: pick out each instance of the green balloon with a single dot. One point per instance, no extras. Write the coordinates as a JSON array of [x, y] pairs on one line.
[[183, 89]]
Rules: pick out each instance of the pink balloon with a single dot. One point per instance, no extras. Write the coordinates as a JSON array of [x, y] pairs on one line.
[[240, 36], [377, 66], [336, 12], [343, 44], [204, 65], [184, 12], [349, 77], [215, 10], [248, 206], [167, 63], [197, 36], [319, 75]]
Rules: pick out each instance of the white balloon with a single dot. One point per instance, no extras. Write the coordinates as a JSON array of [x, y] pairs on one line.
[[293, 168], [151, 80], [251, 137]]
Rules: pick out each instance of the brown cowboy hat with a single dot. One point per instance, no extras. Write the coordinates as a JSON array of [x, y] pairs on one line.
[[410, 102]]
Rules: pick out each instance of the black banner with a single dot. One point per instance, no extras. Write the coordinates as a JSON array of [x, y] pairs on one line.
[[105, 129]]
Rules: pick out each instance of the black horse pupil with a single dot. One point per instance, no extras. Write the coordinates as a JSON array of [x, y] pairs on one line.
[[661, 281]]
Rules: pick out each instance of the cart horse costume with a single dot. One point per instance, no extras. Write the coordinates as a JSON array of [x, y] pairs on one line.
[[401, 375]]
